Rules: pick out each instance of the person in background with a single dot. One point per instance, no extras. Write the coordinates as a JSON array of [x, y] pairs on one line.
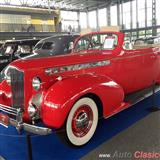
[[23, 29], [60, 27], [69, 28], [31, 28]]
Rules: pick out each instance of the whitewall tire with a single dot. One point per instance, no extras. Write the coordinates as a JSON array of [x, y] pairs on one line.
[[82, 121]]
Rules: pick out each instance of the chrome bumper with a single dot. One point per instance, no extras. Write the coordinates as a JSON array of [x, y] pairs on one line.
[[19, 124], [31, 128]]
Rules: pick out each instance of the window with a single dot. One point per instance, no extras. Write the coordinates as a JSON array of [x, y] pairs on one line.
[[158, 11], [134, 14], [114, 15], [126, 15], [83, 20], [149, 12], [48, 45], [149, 16], [134, 35], [83, 44], [127, 36], [102, 17], [9, 49], [69, 15], [120, 14], [142, 34], [69, 21], [98, 41], [141, 13], [148, 33], [24, 49], [92, 19], [70, 26]]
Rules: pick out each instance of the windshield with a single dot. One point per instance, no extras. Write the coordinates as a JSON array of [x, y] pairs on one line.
[[107, 41]]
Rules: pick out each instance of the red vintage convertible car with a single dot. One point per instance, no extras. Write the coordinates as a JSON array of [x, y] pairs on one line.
[[72, 91]]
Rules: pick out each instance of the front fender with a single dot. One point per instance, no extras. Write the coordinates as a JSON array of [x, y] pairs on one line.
[[5, 93], [61, 96]]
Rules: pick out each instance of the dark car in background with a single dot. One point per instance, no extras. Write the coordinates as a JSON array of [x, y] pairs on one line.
[[15, 49], [1, 44], [55, 45], [33, 48]]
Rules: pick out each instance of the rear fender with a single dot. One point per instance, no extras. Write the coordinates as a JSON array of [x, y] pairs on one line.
[[61, 96]]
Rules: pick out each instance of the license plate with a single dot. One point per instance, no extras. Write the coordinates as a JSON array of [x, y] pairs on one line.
[[4, 120]]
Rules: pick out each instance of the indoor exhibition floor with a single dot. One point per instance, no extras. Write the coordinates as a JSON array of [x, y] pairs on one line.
[[136, 128]]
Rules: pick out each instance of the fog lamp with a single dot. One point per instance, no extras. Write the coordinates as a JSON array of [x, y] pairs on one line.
[[32, 110]]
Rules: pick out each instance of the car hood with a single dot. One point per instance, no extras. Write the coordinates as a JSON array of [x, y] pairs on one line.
[[55, 61]]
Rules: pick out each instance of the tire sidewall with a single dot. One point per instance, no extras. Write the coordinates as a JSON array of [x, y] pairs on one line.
[[78, 141]]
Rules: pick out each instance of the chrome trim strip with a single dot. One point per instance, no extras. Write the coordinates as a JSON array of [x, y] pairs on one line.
[[8, 107], [76, 67], [8, 110], [17, 88]]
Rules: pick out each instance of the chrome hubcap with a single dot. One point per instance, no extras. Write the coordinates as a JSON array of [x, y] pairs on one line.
[[82, 121]]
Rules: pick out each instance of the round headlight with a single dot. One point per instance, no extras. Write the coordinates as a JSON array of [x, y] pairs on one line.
[[7, 75], [32, 110], [36, 83]]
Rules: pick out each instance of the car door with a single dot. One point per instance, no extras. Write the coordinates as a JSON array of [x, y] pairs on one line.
[[141, 67], [149, 66]]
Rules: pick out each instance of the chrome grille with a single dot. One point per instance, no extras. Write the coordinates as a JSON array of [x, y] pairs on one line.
[[17, 88], [9, 110]]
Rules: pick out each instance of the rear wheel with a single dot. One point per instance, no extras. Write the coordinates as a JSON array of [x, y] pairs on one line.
[[82, 121]]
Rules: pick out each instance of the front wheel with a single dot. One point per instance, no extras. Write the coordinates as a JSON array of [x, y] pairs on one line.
[[82, 121]]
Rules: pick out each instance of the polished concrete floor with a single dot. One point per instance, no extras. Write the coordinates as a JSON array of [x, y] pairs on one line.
[[143, 136]]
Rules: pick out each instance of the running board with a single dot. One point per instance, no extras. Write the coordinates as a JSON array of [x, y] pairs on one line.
[[135, 97], [138, 96]]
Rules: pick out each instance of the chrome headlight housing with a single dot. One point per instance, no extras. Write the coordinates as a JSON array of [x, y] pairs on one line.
[[36, 83], [8, 79], [7, 75]]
